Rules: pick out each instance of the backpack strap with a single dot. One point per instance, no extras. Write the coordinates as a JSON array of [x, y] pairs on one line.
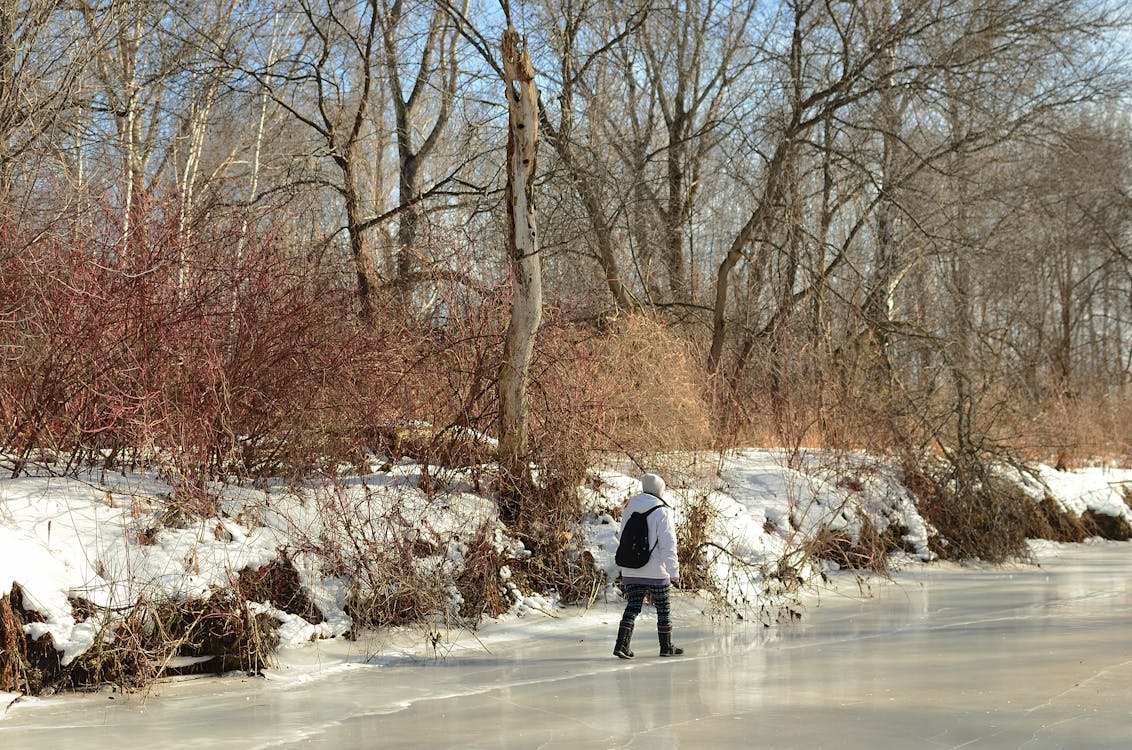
[[646, 515]]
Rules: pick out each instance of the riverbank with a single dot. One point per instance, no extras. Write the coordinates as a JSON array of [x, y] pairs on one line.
[[104, 577]]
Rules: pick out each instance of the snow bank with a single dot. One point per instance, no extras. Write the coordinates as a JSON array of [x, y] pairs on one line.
[[103, 538], [45, 579], [1094, 489]]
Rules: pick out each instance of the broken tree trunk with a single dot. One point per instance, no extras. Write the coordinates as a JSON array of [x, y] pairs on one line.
[[526, 273]]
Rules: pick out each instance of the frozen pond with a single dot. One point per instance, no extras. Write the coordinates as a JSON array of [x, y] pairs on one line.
[[1028, 657]]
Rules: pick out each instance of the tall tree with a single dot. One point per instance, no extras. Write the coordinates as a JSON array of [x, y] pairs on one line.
[[42, 60], [583, 46], [422, 102], [880, 72], [694, 53], [324, 79]]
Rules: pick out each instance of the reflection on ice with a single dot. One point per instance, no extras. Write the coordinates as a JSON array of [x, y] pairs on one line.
[[1027, 656]]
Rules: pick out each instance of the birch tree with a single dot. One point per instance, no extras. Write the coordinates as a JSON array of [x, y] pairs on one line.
[[130, 92]]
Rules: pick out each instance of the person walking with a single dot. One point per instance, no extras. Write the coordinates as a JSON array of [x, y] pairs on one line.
[[653, 579]]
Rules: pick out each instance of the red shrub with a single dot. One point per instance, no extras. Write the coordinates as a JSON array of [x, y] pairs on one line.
[[207, 351]]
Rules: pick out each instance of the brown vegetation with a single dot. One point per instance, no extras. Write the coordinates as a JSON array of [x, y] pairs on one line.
[[151, 640], [697, 537], [986, 520], [13, 643]]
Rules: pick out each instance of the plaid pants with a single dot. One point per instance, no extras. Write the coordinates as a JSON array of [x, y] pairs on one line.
[[635, 593]]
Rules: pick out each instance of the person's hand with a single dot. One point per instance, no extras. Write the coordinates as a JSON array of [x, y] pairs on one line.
[[675, 581]]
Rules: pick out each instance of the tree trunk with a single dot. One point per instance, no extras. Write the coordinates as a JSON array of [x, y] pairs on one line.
[[8, 99], [523, 249], [603, 239], [364, 270], [755, 224], [434, 87], [879, 299]]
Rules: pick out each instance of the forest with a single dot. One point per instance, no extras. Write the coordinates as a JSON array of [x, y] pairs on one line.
[[247, 239], [363, 313]]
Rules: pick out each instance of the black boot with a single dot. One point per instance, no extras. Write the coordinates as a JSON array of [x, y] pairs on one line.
[[624, 635], [666, 647]]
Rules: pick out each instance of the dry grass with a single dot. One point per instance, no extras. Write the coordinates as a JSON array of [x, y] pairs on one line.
[[660, 391], [867, 550], [796, 392], [139, 646], [278, 583], [803, 390], [1107, 527], [480, 582], [1048, 520], [647, 391], [977, 516], [1072, 433], [697, 537], [13, 644]]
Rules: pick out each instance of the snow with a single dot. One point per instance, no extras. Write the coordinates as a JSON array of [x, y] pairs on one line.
[[45, 578], [107, 538], [1094, 488]]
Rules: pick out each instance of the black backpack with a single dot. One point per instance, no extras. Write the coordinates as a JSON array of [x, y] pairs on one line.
[[634, 551]]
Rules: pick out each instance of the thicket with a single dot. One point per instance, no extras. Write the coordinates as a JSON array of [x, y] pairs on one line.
[[222, 352]]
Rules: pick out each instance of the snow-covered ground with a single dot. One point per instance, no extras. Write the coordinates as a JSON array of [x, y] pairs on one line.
[[108, 539]]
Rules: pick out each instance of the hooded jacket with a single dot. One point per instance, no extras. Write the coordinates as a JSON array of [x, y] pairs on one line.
[[662, 564]]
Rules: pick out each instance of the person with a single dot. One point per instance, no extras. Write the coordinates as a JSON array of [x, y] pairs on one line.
[[661, 570]]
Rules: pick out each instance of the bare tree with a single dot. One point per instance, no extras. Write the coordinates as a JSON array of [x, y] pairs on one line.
[[694, 53], [431, 92], [585, 82], [877, 70], [43, 56], [325, 82], [1069, 229], [131, 73]]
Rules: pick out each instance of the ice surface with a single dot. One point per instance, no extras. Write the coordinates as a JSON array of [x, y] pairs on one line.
[[1034, 657]]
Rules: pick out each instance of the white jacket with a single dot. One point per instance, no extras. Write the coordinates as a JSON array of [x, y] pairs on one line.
[[662, 532]]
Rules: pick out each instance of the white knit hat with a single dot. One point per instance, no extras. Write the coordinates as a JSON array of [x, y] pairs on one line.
[[653, 485]]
